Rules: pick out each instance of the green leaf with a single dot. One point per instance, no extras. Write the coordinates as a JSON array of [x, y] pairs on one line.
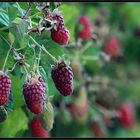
[[48, 117], [4, 19], [44, 76], [17, 20], [6, 4], [11, 38], [24, 77], [21, 29], [24, 42], [9, 105], [14, 14]]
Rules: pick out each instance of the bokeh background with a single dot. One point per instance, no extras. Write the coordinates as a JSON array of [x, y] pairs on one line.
[[114, 82]]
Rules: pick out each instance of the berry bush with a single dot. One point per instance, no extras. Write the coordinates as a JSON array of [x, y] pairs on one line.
[[69, 69]]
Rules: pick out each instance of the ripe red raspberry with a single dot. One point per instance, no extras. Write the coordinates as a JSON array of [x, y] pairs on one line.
[[5, 85], [63, 78], [34, 94], [126, 115], [96, 128], [112, 47], [85, 32], [37, 129], [60, 36]]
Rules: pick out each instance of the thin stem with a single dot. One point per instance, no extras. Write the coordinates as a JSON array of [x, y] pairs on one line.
[[38, 13], [103, 111], [11, 48], [12, 68], [6, 59], [5, 28], [43, 48], [88, 45], [26, 70], [89, 57], [19, 8], [27, 11], [39, 57]]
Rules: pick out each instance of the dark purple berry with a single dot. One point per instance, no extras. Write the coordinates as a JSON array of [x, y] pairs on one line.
[[62, 76]]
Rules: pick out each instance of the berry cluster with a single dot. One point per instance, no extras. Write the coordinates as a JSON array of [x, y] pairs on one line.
[[54, 22], [59, 33]]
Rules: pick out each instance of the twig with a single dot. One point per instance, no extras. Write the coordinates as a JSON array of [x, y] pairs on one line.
[[43, 48], [6, 59], [12, 67], [27, 11]]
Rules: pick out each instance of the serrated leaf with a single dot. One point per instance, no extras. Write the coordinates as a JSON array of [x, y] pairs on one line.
[[6, 4], [14, 12], [9, 105], [4, 19], [21, 29]]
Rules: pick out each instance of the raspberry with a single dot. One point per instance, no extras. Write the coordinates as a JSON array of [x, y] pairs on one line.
[[37, 129], [34, 94], [85, 32], [63, 78], [112, 47], [97, 129], [126, 115], [60, 36], [5, 85], [3, 114]]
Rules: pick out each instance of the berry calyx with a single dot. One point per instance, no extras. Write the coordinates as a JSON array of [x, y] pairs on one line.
[[57, 18], [5, 85], [62, 76], [34, 94]]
